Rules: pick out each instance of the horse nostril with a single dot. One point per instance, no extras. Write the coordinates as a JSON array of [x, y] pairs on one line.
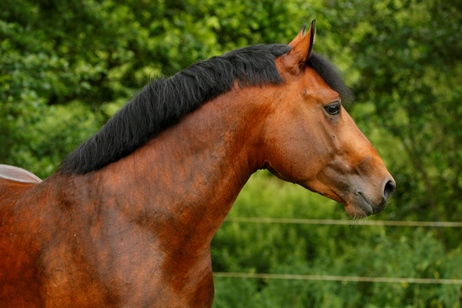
[[389, 189]]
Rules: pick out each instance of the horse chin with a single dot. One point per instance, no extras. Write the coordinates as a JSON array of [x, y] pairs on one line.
[[358, 211], [361, 208]]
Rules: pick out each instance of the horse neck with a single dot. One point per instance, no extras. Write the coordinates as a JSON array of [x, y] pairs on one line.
[[185, 180]]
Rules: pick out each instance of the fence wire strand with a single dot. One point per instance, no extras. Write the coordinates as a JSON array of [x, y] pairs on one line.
[[338, 278], [434, 224]]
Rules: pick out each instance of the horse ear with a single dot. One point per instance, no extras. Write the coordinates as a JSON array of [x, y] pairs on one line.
[[302, 46]]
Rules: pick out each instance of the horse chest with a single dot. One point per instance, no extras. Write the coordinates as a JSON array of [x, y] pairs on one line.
[[125, 271]]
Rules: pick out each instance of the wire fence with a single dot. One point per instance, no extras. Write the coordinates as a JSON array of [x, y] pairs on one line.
[[434, 224], [431, 224], [339, 278]]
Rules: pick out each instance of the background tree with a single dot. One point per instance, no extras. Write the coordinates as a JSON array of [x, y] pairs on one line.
[[97, 54]]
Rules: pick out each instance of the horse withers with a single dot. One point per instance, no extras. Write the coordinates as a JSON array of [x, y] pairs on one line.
[[128, 218]]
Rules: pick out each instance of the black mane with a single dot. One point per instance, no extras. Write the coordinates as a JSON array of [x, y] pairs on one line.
[[165, 101]]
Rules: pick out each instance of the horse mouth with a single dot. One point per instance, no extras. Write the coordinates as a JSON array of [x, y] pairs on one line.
[[361, 207]]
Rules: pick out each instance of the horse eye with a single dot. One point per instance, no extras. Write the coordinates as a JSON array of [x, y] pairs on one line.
[[333, 109]]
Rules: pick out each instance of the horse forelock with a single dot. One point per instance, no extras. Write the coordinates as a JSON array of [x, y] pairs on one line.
[[330, 75]]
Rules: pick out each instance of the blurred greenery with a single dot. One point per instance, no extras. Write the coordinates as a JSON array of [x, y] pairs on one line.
[[332, 250], [66, 66]]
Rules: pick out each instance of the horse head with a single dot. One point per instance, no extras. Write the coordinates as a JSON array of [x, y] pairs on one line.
[[311, 140]]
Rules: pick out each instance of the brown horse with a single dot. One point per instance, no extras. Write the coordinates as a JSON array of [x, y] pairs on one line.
[[128, 218]]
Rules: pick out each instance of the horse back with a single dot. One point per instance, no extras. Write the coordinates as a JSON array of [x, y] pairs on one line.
[[18, 174], [19, 281], [14, 182]]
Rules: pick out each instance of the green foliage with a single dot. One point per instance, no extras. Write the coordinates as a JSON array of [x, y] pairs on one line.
[[67, 66], [335, 250]]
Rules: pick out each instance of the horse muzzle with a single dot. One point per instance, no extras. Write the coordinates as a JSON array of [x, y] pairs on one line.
[[369, 199]]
